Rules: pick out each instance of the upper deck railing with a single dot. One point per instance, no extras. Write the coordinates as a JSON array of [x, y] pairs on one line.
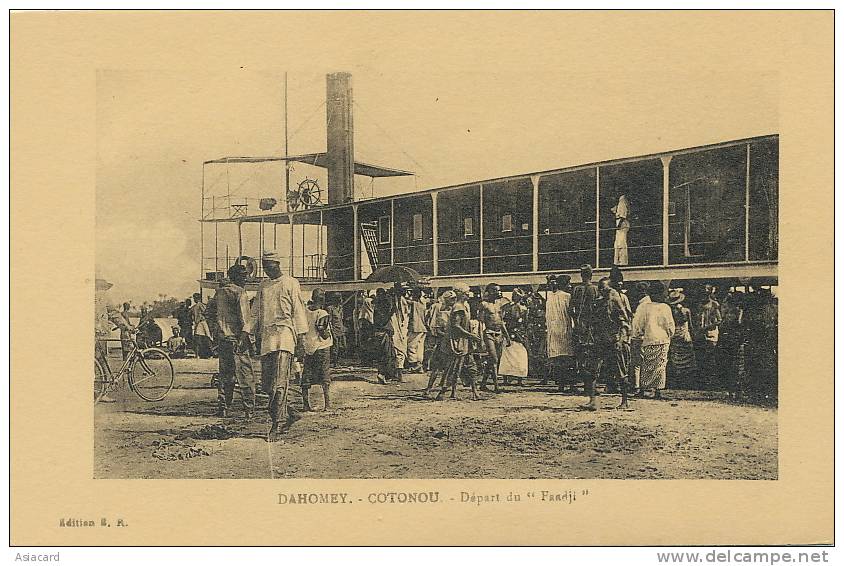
[[709, 205]]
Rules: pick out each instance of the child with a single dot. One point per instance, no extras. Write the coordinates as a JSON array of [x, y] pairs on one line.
[[318, 342], [176, 344]]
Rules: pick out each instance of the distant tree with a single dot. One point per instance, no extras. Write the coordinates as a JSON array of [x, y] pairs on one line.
[[163, 307]]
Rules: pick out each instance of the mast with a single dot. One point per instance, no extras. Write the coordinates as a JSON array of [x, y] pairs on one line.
[[286, 163]]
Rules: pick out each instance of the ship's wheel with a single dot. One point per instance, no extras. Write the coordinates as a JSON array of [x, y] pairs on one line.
[[306, 195]]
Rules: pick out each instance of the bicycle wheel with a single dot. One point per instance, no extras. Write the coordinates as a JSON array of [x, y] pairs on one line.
[[101, 381], [152, 374]]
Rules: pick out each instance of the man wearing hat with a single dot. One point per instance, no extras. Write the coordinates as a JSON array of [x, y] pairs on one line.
[[236, 323], [582, 300], [281, 323], [681, 352], [559, 324]]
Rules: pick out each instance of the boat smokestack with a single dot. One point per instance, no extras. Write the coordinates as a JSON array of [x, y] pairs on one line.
[[340, 138]]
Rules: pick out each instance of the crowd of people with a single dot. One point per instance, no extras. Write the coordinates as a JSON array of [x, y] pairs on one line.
[[636, 340]]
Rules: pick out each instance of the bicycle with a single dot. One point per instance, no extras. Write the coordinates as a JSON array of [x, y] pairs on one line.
[[149, 372]]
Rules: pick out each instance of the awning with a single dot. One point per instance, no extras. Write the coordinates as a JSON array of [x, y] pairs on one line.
[[393, 274], [318, 160]]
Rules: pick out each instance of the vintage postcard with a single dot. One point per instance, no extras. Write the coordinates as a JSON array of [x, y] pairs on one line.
[[416, 278]]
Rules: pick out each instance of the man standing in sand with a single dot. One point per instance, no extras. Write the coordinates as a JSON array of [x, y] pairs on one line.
[[610, 327], [281, 324], [582, 302], [235, 320], [460, 360], [201, 331], [416, 331], [495, 335], [559, 324]]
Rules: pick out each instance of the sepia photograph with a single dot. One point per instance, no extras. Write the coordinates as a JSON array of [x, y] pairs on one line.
[[421, 278], [614, 319]]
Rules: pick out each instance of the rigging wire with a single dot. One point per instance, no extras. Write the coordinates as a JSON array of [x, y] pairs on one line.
[[305, 123], [214, 182], [397, 144]]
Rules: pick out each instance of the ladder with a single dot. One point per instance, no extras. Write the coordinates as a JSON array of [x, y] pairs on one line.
[[368, 231]]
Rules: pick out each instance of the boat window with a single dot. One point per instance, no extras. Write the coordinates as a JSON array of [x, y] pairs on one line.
[[384, 230], [458, 245], [631, 213], [764, 200], [507, 223], [567, 219], [708, 191]]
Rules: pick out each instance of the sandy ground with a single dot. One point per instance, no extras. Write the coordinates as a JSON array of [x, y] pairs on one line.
[[392, 431]]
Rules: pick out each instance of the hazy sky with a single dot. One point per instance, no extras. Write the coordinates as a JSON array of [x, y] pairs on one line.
[[493, 103]]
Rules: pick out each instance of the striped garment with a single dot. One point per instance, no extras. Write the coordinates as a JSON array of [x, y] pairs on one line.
[[558, 324], [652, 372]]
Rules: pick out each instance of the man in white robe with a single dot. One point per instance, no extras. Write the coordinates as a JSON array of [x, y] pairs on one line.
[[558, 321], [622, 227], [280, 326]]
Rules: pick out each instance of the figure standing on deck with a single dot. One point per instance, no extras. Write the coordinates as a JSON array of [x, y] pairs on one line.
[[622, 227]]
